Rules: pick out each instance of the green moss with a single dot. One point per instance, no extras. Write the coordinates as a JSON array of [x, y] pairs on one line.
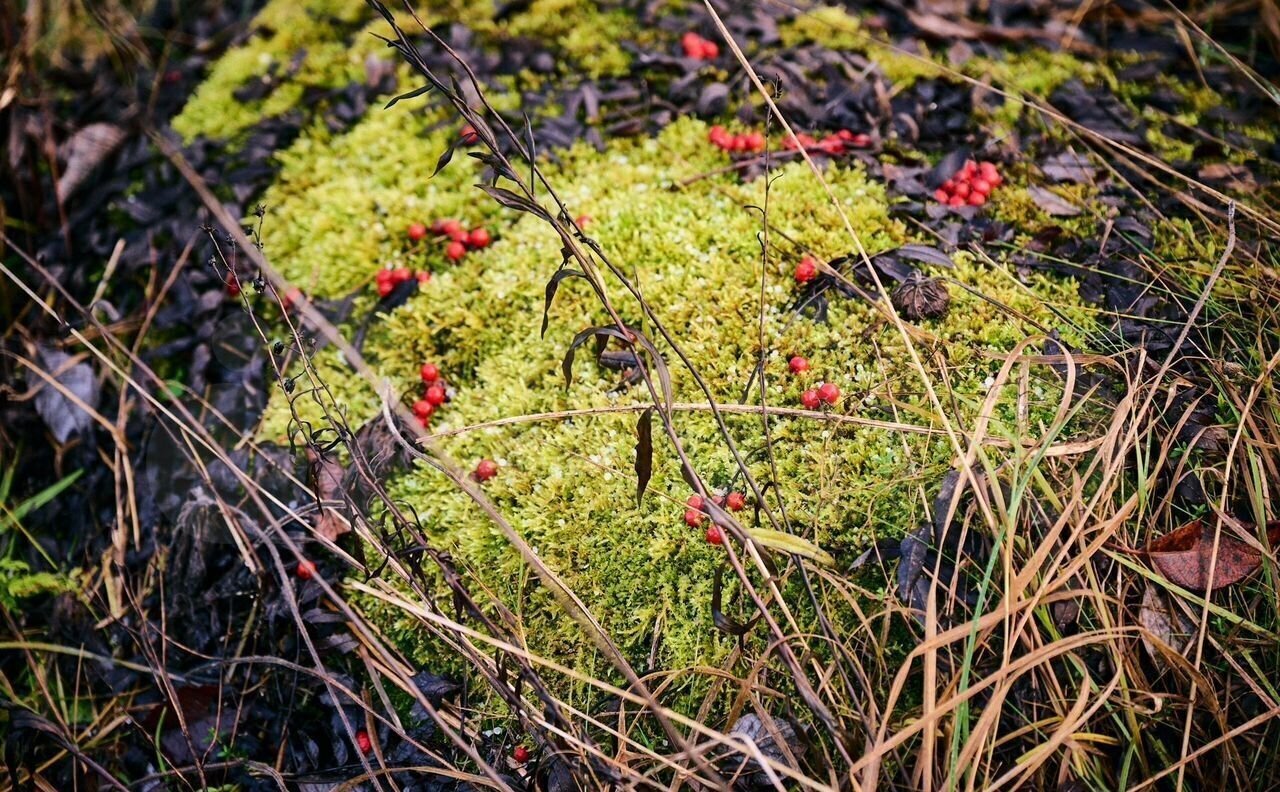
[[1033, 73], [317, 31], [835, 28], [568, 486], [588, 35]]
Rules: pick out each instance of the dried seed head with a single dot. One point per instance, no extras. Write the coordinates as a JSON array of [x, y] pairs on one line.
[[919, 297]]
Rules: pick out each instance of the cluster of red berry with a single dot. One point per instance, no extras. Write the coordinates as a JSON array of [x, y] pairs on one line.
[[750, 142], [753, 142], [697, 47], [970, 186], [388, 279], [695, 513], [433, 396], [826, 393], [460, 239], [835, 144]]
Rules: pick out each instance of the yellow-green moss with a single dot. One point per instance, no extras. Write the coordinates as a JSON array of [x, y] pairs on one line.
[[588, 36], [568, 486], [836, 29]]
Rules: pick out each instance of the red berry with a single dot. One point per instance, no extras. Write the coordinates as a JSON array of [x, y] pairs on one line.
[[962, 190], [401, 275], [430, 373], [384, 288], [455, 251], [469, 135], [828, 392], [291, 298], [233, 285], [423, 408], [478, 238], [956, 201], [364, 742], [844, 134], [710, 50], [583, 221], [988, 170], [423, 420], [520, 754], [714, 535], [417, 231], [735, 501], [424, 277], [435, 395], [970, 168], [798, 364], [941, 195], [691, 43], [980, 185], [306, 569], [450, 228], [755, 141], [694, 502], [810, 399], [692, 518], [806, 270], [861, 140], [486, 469], [717, 134], [977, 199]]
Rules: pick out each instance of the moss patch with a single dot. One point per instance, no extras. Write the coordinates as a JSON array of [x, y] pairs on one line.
[[568, 486]]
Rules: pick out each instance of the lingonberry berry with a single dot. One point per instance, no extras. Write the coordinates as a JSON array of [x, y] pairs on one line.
[[306, 569], [520, 754], [417, 231], [798, 365], [806, 270], [423, 408], [451, 228], [714, 535], [486, 469], [478, 238], [456, 250], [810, 399], [364, 742], [430, 372], [828, 392], [735, 501], [694, 502], [693, 518], [435, 395]]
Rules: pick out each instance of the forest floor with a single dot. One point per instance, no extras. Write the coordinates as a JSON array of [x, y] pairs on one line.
[[558, 394]]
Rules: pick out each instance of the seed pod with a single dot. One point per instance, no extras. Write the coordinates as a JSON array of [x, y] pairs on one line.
[[919, 297]]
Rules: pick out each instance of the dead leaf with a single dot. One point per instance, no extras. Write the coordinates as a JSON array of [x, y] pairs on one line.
[[84, 151], [63, 417], [1051, 203], [1185, 556], [1163, 622], [1069, 167], [326, 480]]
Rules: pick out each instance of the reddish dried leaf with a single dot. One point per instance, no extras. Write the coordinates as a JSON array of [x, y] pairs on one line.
[[326, 477], [1185, 556]]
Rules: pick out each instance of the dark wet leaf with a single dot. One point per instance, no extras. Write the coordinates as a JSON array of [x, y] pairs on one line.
[[1069, 167], [644, 452], [724, 623], [913, 584], [514, 201], [921, 298], [84, 152], [581, 338], [1163, 622], [925, 254], [1051, 203], [435, 688], [552, 286], [63, 417], [777, 740], [1185, 556]]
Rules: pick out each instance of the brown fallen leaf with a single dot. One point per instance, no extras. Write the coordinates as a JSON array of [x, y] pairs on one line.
[[326, 480], [1163, 622], [1185, 556], [1053, 204]]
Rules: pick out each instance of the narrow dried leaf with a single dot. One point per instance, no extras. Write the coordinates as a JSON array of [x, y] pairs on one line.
[[552, 285], [644, 452], [1163, 622], [409, 95], [792, 544], [1053, 204]]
